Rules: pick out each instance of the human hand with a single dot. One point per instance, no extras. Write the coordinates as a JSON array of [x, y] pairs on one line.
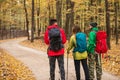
[[67, 51]]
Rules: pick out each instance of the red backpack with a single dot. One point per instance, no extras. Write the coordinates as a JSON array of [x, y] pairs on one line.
[[101, 43]]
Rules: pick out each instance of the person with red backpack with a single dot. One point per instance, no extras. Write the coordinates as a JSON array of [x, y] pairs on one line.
[[55, 37], [94, 58]]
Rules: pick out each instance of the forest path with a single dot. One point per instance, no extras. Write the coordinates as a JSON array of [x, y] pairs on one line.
[[38, 63]]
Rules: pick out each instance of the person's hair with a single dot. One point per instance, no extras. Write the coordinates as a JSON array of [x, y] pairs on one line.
[[76, 29], [52, 21], [93, 24]]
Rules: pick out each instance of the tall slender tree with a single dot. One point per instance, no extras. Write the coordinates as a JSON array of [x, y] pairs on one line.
[[0, 18], [59, 12], [116, 20], [26, 19], [37, 29], [32, 23], [69, 17], [49, 9], [108, 30]]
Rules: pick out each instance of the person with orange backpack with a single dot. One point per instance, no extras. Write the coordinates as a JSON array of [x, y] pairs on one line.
[[94, 58]]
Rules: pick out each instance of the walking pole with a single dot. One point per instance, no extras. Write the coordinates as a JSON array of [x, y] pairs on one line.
[[67, 66]]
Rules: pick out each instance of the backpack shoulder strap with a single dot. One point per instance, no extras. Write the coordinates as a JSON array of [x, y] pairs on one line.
[[94, 31]]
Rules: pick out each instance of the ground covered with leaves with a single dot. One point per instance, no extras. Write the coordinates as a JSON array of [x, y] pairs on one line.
[[12, 69], [110, 62]]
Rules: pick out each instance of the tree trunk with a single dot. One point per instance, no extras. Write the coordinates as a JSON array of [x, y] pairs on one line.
[[52, 10], [26, 19], [49, 10], [99, 2], [59, 12], [38, 19], [0, 19], [116, 24], [32, 26], [69, 18], [108, 30]]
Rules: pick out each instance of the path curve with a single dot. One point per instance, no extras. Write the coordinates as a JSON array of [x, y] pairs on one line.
[[37, 61]]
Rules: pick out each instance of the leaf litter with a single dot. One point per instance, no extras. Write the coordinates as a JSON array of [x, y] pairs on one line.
[[12, 69]]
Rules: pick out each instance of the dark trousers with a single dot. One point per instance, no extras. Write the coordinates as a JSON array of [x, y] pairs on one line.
[[52, 61], [85, 68]]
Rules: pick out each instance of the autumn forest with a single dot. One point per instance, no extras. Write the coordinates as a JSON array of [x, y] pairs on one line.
[[29, 19], [33, 16]]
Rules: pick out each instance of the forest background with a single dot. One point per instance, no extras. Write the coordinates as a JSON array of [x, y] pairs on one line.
[[31, 17]]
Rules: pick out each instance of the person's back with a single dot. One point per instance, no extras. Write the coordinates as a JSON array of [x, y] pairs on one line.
[[55, 38], [79, 45], [94, 59], [47, 40]]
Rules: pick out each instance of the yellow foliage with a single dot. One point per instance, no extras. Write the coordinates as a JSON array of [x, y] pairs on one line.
[[12, 69]]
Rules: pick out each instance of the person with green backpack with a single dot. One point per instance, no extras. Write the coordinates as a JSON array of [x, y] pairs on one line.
[[79, 44], [93, 56]]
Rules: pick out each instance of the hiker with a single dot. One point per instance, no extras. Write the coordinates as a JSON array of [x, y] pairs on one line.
[[79, 51], [55, 37], [93, 56]]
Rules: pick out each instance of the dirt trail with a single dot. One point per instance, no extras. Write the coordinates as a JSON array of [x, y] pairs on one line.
[[37, 61]]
